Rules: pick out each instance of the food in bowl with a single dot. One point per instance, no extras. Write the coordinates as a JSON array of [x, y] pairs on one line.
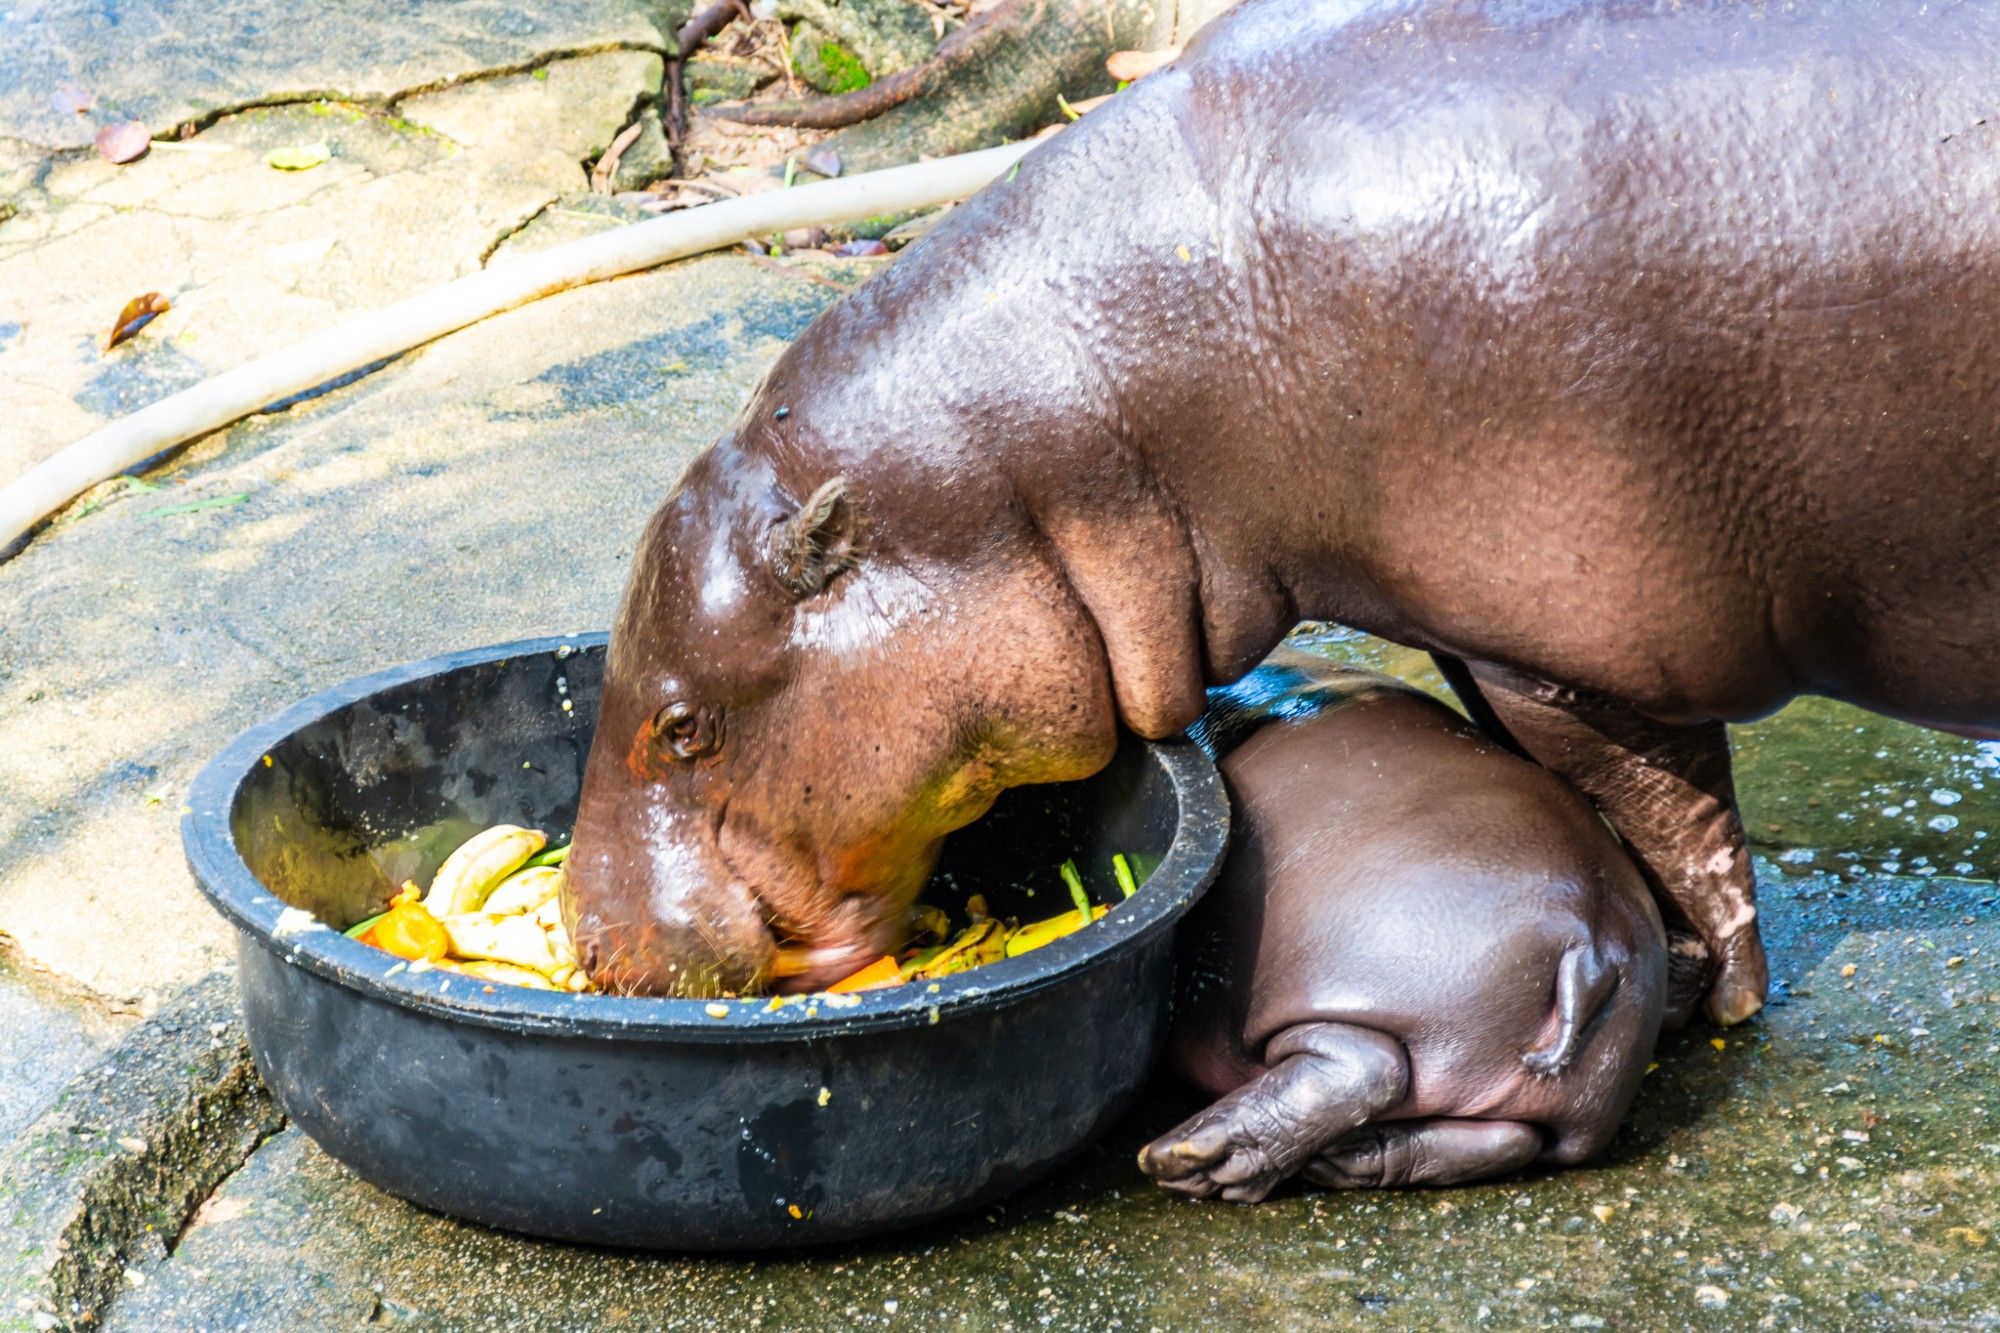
[[494, 911]]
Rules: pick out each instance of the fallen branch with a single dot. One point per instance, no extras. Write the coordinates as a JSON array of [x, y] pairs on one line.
[[693, 34], [705, 25], [607, 165], [843, 109], [393, 330]]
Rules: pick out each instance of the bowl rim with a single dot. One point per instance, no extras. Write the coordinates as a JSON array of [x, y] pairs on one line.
[[1192, 860]]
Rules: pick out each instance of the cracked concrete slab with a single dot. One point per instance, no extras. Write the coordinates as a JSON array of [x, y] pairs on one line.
[[104, 1181], [253, 257], [47, 1037], [170, 63], [485, 488]]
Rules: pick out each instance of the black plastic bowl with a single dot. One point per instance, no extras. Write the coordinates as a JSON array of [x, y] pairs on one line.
[[668, 1123]]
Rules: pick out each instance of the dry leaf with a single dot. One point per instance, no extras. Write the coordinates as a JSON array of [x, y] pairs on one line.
[[607, 166], [73, 99], [298, 156], [1131, 66], [137, 314], [127, 141]]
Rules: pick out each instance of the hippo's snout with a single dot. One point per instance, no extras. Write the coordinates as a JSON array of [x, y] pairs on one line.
[[646, 958], [664, 918]]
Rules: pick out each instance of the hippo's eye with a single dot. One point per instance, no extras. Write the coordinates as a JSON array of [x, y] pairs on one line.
[[687, 732]]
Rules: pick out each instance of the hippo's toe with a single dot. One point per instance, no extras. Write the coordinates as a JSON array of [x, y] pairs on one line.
[[1212, 1154]]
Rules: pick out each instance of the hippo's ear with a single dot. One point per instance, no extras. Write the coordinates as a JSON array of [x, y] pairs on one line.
[[816, 543]]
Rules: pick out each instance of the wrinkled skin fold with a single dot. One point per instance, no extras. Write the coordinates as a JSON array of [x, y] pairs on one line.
[[1634, 358]]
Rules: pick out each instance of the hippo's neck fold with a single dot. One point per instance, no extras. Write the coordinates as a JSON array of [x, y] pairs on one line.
[[1048, 366]]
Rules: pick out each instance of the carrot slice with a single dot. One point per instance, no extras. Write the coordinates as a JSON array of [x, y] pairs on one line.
[[883, 972]]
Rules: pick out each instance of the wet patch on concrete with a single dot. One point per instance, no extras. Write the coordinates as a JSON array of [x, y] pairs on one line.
[[1845, 790], [133, 376], [1822, 784], [659, 364]]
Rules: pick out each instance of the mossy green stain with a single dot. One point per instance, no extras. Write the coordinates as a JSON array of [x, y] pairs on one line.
[[844, 70]]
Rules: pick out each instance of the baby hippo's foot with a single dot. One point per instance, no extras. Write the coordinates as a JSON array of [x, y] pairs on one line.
[[1424, 1152], [1324, 1080]]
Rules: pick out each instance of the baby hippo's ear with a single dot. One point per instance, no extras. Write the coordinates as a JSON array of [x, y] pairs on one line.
[[816, 543]]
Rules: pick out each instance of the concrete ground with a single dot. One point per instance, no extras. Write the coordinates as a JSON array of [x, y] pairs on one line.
[[1832, 1165]]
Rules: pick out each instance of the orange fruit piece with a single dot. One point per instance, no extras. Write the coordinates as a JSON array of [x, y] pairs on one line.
[[881, 973]]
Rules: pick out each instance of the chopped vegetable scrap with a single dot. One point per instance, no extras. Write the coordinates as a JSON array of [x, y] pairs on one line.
[[494, 911], [936, 952]]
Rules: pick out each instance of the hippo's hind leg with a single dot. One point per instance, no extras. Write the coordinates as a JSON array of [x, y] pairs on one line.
[[1425, 1152], [1584, 981], [1324, 1080]]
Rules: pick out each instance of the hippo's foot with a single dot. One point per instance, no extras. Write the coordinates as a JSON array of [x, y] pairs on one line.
[[1324, 1081], [1424, 1152]]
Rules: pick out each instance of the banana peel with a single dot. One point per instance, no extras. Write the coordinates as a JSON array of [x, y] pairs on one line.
[[524, 891], [519, 940], [981, 942], [512, 933], [494, 911], [477, 868], [929, 925], [507, 974], [1031, 937]]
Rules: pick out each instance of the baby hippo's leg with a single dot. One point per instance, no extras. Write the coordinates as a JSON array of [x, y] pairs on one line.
[[1425, 1152], [1324, 1080], [1584, 981]]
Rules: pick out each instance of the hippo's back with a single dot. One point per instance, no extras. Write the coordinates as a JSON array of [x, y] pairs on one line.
[[1718, 273]]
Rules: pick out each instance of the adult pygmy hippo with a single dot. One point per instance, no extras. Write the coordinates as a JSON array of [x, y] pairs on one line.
[[1425, 961], [1637, 358]]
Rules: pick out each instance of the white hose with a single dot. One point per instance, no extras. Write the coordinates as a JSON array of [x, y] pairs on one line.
[[235, 394]]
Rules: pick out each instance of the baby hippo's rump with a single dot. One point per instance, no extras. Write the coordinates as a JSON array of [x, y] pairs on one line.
[[1426, 960]]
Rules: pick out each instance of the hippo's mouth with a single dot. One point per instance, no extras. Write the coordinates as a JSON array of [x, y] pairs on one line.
[[804, 959], [798, 971]]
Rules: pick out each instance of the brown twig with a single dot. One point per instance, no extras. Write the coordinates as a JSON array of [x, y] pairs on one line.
[[706, 24], [674, 122], [843, 109], [697, 30]]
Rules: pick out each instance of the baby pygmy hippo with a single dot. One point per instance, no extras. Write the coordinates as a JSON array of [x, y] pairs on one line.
[[1426, 960]]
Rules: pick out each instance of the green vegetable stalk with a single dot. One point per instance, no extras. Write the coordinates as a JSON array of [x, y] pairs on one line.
[[1074, 883]]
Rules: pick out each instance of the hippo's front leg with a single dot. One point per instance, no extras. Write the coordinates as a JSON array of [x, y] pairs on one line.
[[1324, 1081], [1668, 791]]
